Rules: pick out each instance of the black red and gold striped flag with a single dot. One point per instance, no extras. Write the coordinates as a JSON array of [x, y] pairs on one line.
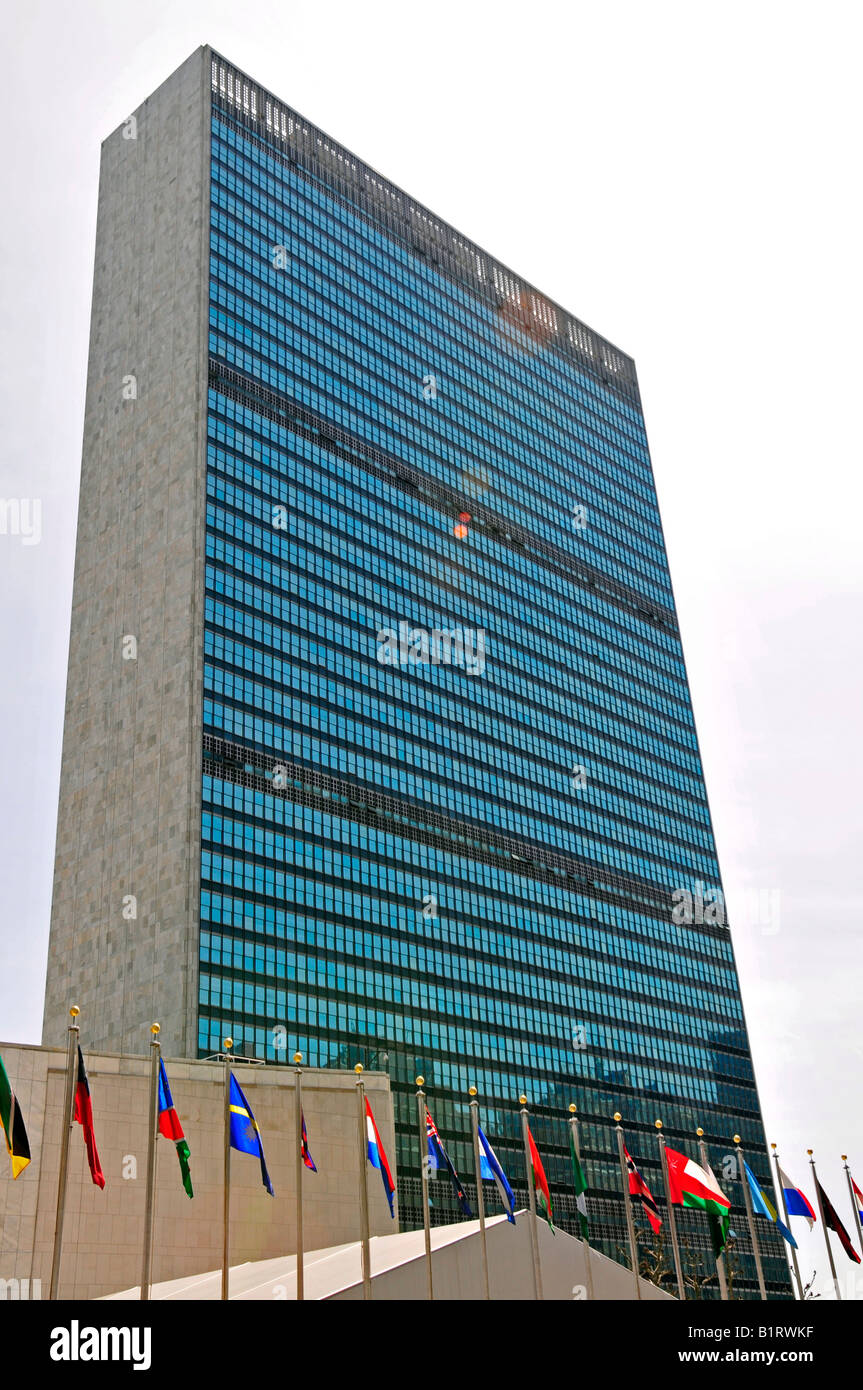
[[13, 1123], [83, 1113]]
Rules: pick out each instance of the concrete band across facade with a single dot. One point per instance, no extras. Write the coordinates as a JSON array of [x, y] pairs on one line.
[[399, 1270], [317, 414]]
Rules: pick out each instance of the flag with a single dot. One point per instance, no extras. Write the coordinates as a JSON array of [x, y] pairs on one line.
[[640, 1192], [490, 1168], [377, 1157], [832, 1222], [245, 1135], [719, 1228], [13, 1125], [540, 1181], [690, 1186], [580, 1184], [83, 1113], [858, 1194], [438, 1157], [796, 1203], [764, 1207], [304, 1147], [170, 1127]]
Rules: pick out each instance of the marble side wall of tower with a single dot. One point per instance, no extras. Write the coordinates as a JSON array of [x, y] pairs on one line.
[[123, 942]]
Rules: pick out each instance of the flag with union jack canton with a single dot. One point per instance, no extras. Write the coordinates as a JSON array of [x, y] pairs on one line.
[[439, 1158]]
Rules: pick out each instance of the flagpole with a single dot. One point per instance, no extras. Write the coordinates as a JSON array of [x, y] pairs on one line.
[[750, 1218], [531, 1195], [585, 1240], [298, 1057], [720, 1258], [364, 1178], [630, 1223], [425, 1172], [65, 1136], [672, 1224], [150, 1200], [780, 1189], [480, 1200], [824, 1225], [854, 1202], [226, 1213]]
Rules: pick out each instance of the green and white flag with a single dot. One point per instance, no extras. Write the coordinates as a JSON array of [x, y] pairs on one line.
[[579, 1183]]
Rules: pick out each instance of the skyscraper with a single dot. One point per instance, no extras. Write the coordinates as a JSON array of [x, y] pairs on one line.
[[378, 737]]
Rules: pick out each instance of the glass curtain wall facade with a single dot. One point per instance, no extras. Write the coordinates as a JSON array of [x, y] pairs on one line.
[[451, 775]]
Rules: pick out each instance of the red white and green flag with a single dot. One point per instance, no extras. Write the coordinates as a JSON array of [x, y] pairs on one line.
[[540, 1181], [690, 1186]]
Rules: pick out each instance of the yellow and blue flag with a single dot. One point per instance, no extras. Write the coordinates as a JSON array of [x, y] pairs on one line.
[[764, 1207], [245, 1135]]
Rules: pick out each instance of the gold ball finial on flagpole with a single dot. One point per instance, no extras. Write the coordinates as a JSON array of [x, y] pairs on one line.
[[154, 1029], [74, 1011], [522, 1100], [735, 1139], [809, 1151], [358, 1068], [617, 1117], [658, 1124], [572, 1107], [228, 1044], [844, 1158], [298, 1057], [700, 1132], [421, 1080], [773, 1146], [472, 1091]]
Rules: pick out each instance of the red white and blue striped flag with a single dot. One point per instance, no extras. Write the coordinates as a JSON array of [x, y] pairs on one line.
[[377, 1157], [859, 1198], [796, 1202]]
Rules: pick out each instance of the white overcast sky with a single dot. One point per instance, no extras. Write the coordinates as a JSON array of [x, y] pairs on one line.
[[685, 178]]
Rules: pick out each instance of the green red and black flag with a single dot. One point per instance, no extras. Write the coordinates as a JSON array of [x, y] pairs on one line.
[[170, 1127], [540, 1181], [832, 1221], [13, 1125], [84, 1115]]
